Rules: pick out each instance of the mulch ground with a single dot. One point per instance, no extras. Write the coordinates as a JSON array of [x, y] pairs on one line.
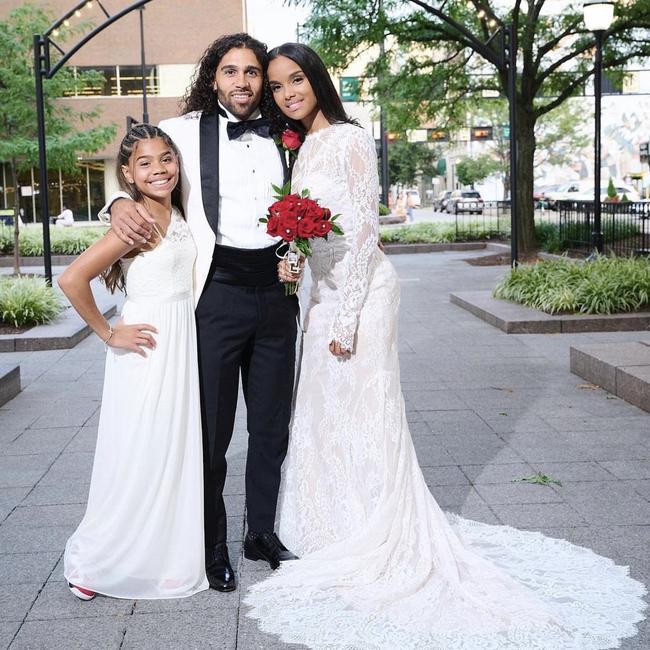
[[5, 328]]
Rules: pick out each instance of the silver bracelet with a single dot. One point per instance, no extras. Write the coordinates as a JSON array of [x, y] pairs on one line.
[[111, 331]]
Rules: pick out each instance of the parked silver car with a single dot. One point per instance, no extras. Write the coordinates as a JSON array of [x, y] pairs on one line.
[[465, 201]]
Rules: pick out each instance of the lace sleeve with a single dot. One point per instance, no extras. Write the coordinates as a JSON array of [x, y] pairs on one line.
[[363, 187]]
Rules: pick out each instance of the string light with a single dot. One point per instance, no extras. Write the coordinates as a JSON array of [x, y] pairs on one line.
[[492, 22], [55, 32], [77, 13], [89, 4], [66, 23], [481, 13]]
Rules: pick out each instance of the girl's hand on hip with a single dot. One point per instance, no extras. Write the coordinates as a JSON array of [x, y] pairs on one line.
[[133, 337], [338, 351]]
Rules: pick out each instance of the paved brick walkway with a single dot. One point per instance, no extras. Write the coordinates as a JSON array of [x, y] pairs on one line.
[[485, 408]]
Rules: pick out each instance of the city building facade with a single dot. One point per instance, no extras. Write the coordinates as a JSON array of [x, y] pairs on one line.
[[175, 36]]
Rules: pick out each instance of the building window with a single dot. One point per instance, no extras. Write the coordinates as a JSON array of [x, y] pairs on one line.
[[131, 79], [106, 84], [119, 81], [81, 191], [611, 85]]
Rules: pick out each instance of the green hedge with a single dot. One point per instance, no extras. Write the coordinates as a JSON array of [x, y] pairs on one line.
[[28, 301], [436, 233], [606, 285], [64, 241]]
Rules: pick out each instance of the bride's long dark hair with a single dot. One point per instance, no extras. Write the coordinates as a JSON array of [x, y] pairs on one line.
[[328, 99]]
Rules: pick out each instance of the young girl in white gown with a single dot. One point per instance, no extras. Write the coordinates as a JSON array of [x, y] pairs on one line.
[[142, 534], [382, 567]]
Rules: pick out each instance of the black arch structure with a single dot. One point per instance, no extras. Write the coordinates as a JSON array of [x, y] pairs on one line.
[[44, 70]]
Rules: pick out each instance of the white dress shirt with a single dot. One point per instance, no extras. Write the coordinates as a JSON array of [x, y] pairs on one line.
[[248, 166]]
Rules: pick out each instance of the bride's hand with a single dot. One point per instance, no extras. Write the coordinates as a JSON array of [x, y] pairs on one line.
[[338, 351], [286, 275]]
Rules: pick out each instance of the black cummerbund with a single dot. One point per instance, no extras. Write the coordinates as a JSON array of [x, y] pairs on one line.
[[248, 267]]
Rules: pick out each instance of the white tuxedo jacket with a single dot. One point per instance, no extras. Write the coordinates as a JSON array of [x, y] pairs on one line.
[[196, 135]]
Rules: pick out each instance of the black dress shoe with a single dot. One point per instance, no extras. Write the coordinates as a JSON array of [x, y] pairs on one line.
[[218, 568], [266, 546]]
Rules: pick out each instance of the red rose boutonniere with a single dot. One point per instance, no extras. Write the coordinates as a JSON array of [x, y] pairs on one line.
[[290, 141]]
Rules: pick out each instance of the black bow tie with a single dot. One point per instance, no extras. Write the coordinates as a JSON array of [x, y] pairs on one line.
[[261, 126]]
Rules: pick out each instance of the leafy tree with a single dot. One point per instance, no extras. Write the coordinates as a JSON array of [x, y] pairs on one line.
[[474, 169], [409, 160], [67, 131], [433, 69], [558, 134]]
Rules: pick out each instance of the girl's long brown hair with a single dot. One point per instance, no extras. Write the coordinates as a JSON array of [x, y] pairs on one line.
[[113, 277]]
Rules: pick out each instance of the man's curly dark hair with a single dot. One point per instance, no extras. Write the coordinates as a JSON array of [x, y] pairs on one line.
[[200, 95]]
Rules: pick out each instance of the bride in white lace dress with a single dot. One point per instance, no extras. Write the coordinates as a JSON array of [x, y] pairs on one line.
[[382, 567]]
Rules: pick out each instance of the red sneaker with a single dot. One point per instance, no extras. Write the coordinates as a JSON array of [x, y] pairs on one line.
[[81, 593]]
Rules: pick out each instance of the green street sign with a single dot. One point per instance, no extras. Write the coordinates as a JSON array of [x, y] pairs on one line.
[[350, 89]]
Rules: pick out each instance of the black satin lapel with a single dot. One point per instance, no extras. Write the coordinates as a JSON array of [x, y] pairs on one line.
[[209, 159], [286, 171]]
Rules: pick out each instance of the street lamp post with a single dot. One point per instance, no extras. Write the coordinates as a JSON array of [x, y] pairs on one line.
[[383, 132], [44, 69], [598, 15]]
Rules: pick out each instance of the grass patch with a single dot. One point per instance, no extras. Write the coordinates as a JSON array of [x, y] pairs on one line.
[[64, 241], [28, 301], [607, 285]]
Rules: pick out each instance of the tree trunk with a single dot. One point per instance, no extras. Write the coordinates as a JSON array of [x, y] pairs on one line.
[[506, 184], [14, 176], [526, 240]]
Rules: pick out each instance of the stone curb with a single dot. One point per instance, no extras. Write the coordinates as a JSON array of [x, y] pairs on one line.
[[399, 249], [623, 369], [513, 318], [64, 333], [9, 382], [57, 260]]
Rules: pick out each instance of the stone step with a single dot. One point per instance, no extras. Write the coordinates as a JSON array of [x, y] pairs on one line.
[[623, 369], [514, 318], [9, 382]]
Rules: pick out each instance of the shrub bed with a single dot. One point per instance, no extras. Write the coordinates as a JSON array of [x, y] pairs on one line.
[[606, 285], [28, 301], [64, 241], [436, 233]]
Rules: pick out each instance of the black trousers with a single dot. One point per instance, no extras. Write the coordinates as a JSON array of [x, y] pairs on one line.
[[251, 330]]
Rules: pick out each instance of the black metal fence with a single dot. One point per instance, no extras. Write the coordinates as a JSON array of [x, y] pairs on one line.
[[492, 223], [625, 226]]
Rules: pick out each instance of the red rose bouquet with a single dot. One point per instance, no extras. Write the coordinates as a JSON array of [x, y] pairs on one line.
[[297, 219]]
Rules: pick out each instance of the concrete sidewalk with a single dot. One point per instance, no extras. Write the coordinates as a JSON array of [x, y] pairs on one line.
[[485, 408]]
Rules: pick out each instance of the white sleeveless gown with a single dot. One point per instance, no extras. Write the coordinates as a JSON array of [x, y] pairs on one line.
[[142, 534], [382, 567]]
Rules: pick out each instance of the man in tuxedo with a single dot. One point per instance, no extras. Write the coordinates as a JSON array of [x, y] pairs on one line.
[[246, 324]]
